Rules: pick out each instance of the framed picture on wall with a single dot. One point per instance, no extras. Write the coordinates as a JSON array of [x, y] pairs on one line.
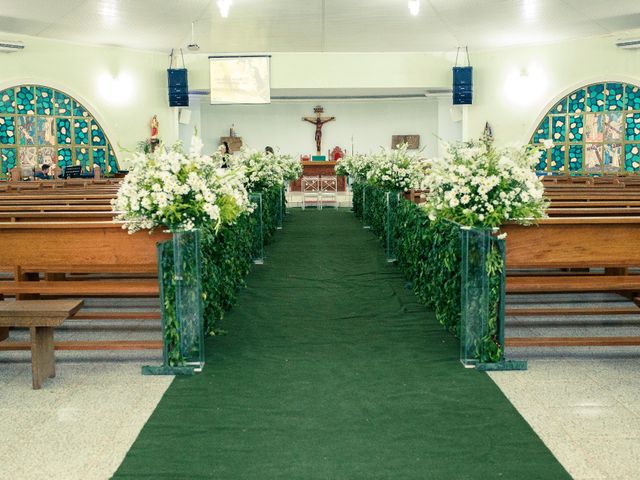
[[413, 141]]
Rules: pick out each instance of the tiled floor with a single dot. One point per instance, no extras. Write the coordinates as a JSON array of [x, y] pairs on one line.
[[583, 402], [82, 422]]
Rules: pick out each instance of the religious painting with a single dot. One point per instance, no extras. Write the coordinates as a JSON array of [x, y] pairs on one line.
[[28, 156], [594, 128], [27, 130], [46, 131], [593, 158], [613, 126], [412, 141], [612, 157], [47, 155]]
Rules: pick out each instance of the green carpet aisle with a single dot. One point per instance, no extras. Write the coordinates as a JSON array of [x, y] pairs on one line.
[[332, 370]]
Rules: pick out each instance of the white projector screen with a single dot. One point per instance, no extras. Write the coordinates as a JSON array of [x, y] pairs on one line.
[[240, 79]]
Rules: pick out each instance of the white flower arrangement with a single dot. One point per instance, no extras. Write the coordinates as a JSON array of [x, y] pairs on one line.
[[171, 189], [396, 169], [389, 169], [267, 170], [355, 166], [476, 184]]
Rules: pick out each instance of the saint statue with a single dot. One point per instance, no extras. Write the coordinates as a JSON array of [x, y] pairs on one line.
[[318, 121], [155, 125]]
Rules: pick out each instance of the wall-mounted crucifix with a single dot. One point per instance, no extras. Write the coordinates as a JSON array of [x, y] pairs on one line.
[[318, 121]]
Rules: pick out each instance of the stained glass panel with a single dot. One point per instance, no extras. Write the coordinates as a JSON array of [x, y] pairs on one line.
[[97, 136], [63, 131], [595, 97], [613, 126], [64, 157], [7, 101], [62, 104], [594, 127], [576, 128], [28, 156], [633, 97], [27, 130], [46, 131], [25, 100], [7, 159], [632, 157], [557, 158], [100, 158], [576, 157], [81, 130], [83, 158], [593, 157], [632, 127], [558, 128], [612, 157], [615, 96], [44, 101], [576, 101], [560, 107], [542, 132], [7, 131], [46, 155]]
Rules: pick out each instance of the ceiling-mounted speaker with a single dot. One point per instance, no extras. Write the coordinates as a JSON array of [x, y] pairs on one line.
[[178, 87], [462, 85]]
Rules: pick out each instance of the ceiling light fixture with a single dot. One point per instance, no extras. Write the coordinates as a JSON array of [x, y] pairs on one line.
[[224, 6], [414, 7]]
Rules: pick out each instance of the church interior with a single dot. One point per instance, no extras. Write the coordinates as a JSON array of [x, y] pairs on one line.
[[320, 239]]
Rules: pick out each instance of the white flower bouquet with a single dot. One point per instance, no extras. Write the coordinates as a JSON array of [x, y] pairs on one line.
[[355, 166], [396, 169], [171, 189], [267, 170], [476, 184]]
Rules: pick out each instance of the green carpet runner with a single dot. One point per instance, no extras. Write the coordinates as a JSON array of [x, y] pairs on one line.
[[332, 370]]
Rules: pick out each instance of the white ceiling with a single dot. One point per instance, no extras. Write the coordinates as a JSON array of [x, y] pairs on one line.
[[318, 25]]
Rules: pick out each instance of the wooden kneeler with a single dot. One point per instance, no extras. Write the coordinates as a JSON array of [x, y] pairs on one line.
[[41, 317]]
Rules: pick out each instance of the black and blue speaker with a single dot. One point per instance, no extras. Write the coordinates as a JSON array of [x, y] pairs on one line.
[[462, 85], [178, 87]]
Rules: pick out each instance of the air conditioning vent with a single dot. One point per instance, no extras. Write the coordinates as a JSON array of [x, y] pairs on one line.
[[9, 47], [629, 44]]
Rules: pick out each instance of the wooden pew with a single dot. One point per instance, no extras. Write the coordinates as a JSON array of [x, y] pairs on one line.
[[71, 259], [607, 243]]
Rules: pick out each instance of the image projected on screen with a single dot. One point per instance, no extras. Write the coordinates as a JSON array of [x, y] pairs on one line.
[[240, 80]]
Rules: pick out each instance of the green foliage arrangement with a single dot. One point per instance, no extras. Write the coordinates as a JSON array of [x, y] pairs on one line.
[[429, 253], [226, 259]]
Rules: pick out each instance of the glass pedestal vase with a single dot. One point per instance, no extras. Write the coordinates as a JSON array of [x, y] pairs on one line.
[[483, 301], [180, 279], [258, 232], [281, 209]]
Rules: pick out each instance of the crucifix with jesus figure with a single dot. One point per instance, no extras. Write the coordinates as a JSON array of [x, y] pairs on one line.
[[318, 121]]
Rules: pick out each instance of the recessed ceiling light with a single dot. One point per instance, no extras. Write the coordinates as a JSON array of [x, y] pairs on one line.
[[224, 6], [414, 7]]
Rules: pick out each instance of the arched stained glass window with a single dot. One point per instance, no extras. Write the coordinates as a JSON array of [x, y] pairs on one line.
[[40, 124], [594, 130]]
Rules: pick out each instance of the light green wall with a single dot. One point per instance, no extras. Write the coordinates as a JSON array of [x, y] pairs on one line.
[[561, 68], [76, 69]]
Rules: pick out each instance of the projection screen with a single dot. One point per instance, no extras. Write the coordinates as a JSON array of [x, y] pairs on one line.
[[240, 79]]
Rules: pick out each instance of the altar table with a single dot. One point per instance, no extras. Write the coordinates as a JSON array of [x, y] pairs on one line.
[[322, 169]]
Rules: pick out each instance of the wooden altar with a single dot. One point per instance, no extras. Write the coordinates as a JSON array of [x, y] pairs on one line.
[[323, 169]]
